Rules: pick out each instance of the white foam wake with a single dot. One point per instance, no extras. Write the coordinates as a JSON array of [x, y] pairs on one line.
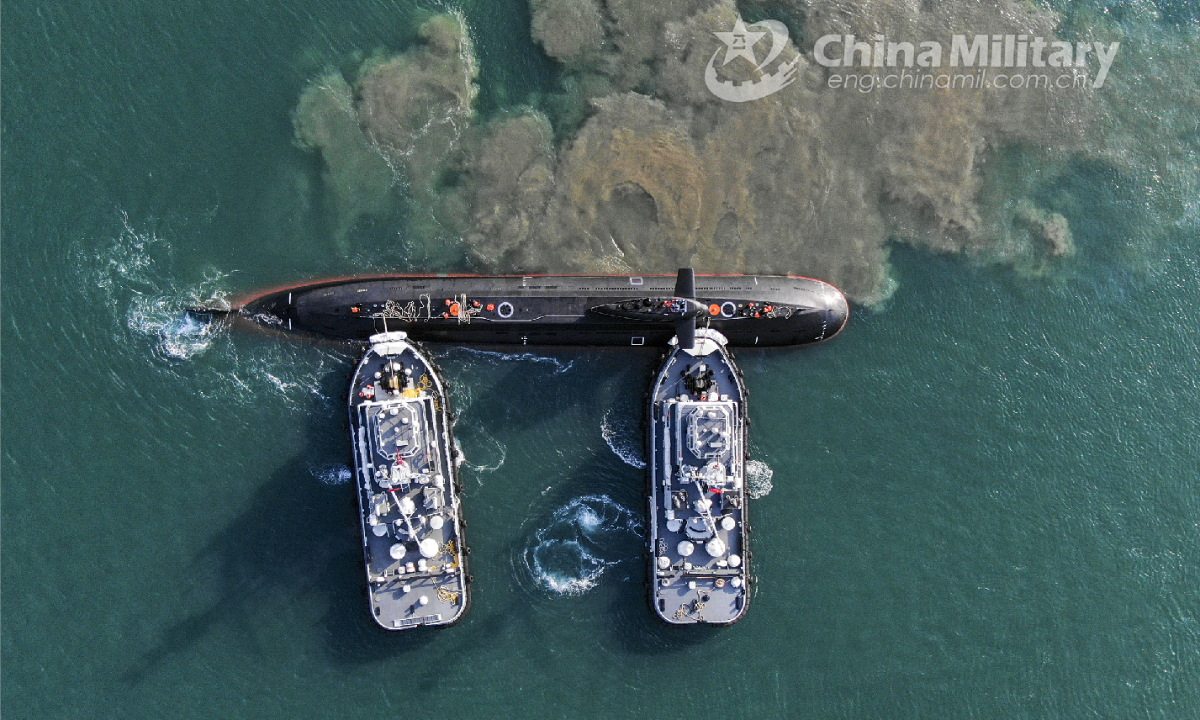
[[176, 333], [129, 273], [497, 461], [758, 479], [332, 474], [496, 357], [132, 275], [580, 542], [623, 438]]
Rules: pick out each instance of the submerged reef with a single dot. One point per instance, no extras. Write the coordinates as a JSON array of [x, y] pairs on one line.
[[636, 163]]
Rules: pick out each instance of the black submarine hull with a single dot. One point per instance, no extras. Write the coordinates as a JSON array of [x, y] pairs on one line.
[[616, 310]]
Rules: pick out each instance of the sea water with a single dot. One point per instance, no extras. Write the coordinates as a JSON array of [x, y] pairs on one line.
[[980, 500]]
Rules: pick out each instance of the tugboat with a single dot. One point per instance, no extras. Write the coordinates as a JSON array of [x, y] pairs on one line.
[[750, 310], [407, 477], [696, 450]]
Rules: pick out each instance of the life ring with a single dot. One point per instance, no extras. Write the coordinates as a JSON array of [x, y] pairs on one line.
[[504, 309], [728, 309]]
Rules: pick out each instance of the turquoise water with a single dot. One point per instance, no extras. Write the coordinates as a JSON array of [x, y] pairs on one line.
[[983, 495]]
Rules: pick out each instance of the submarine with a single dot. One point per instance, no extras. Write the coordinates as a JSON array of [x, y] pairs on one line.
[[613, 310]]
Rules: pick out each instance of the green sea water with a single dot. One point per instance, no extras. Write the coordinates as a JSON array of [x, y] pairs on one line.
[[980, 500]]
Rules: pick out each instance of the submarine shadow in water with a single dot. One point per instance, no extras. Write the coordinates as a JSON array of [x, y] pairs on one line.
[[298, 540]]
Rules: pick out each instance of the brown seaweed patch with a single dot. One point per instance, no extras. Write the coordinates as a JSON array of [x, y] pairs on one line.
[[356, 178], [508, 176], [570, 31], [808, 180], [393, 128], [421, 96], [1048, 228], [651, 171]]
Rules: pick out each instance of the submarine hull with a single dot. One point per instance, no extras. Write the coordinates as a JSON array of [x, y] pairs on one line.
[[552, 310]]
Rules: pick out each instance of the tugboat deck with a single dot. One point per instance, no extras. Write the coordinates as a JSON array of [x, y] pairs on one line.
[[696, 472], [407, 488]]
